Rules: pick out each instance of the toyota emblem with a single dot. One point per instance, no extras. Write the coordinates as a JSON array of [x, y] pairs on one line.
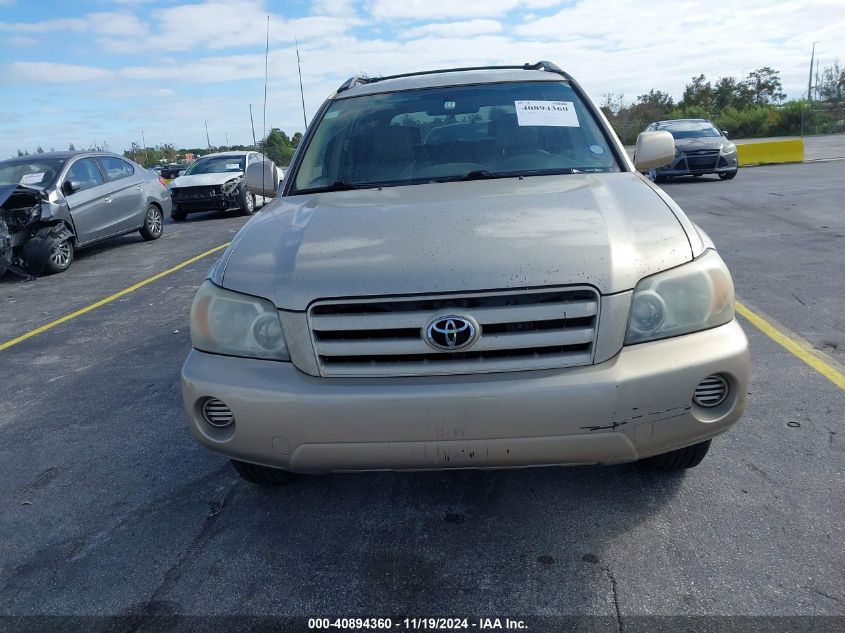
[[451, 333]]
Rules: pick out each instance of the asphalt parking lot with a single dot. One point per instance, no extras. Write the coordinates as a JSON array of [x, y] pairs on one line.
[[110, 508]]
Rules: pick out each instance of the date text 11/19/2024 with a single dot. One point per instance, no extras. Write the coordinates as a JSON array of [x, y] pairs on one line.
[[417, 624]]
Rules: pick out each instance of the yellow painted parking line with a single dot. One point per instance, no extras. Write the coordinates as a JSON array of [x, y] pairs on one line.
[[109, 299], [827, 367]]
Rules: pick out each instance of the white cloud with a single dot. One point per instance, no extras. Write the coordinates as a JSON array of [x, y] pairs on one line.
[[223, 25], [454, 29], [440, 9], [333, 7], [51, 72], [46, 26]]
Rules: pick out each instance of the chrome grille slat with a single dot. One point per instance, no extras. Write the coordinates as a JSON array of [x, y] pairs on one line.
[[397, 346], [520, 330], [506, 314]]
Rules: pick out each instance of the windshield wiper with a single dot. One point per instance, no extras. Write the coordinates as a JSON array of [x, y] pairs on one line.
[[337, 185], [476, 174]]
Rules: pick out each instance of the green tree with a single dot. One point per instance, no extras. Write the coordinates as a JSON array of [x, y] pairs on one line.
[[71, 148], [297, 137], [653, 106], [697, 93], [611, 104], [764, 86], [278, 147], [831, 87], [168, 152], [729, 92], [39, 149]]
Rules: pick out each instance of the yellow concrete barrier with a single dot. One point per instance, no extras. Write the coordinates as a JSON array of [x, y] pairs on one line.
[[791, 151]]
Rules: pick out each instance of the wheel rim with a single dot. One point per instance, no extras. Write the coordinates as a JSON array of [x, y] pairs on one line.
[[154, 222], [652, 175], [60, 257]]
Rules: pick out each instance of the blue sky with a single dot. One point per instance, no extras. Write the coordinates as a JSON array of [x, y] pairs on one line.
[[105, 70]]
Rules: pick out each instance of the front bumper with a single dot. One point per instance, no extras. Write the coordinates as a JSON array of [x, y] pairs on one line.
[[635, 405], [688, 164], [187, 200]]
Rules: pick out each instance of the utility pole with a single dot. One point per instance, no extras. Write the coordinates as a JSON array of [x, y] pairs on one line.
[[207, 139], [301, 92], [227, 140], [144, 141], [810, 80]]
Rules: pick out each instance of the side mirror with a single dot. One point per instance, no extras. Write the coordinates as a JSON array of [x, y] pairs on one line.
[[71, 186], [262, 178], [654, 149], [725, 133]]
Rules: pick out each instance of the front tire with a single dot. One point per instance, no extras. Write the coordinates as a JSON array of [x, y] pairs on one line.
[[728, 175], [153, 224], [61, 256], [261, 475], [247, 202], [687, 457]]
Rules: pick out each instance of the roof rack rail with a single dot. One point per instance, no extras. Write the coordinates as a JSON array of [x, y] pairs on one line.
[[363, 79]]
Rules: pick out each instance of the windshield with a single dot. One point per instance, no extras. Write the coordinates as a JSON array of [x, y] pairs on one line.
[[690, 129], [464, 132], [216, 165], [31, 171]]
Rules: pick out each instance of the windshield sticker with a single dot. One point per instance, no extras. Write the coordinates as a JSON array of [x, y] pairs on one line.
[[32, 179], [449, 105], [232, 166], [546, 113], [598, 150]]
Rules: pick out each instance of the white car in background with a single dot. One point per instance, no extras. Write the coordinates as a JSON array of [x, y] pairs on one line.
[[215, 183]]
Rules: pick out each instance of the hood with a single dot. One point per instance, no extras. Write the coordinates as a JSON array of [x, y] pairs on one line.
[[705, 142], [606, 230], [20, 195], [203, 180]]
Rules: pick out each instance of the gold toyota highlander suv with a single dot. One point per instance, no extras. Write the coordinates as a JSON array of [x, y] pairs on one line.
[[463, 269]]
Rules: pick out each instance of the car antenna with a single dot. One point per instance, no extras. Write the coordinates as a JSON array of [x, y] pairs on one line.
[[301, 92], [252, 123], [264, 140]]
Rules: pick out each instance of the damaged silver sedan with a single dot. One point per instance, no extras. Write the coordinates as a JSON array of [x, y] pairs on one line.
[[54, 203]]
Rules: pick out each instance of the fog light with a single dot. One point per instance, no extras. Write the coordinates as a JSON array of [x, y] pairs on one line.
[[216, 413], [711, 392]]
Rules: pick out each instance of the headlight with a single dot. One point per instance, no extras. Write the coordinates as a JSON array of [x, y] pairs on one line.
[[226, 322], [696, 296], [728, 148]]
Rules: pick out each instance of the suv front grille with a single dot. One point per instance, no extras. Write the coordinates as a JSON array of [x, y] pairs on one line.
[[532, 329]]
